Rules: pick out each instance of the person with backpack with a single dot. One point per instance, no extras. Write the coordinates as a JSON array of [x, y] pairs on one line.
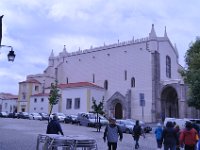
[[158, 133], [189, 137], [112, 133], [137, 131], [169, 137]]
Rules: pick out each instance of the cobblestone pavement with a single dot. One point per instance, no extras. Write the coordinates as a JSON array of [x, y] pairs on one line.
[[20, 134]]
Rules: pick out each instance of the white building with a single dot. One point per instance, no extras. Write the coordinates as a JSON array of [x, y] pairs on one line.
[[75, 98], [8, 102], [140, 79]]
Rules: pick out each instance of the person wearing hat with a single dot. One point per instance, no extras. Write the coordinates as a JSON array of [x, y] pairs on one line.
[[54, 126], [112, 133]]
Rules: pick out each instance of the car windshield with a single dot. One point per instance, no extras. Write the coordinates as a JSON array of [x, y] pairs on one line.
[[44, 114], [91, 116], [73, 116], [126, 122], [103, 118], [60, 114], [35, 114], [25, 113]]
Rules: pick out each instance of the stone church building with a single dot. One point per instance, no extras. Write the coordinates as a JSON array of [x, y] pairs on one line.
[[138, 79]]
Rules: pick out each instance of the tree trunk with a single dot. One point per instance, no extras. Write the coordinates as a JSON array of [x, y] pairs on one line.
[[51, 107]]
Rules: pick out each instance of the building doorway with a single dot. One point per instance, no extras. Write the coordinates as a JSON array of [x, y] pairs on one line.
[[118, 111], [169, 103]]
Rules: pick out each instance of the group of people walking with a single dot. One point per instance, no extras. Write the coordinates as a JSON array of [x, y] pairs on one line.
[[173, 138]]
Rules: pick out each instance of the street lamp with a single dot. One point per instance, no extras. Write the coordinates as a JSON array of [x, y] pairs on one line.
[[11, 54]]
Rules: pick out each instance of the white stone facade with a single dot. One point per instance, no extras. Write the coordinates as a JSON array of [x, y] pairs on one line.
[[8, 102], [132, 73]]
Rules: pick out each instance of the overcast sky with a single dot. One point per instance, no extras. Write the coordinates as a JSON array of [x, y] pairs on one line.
[[35, 27]]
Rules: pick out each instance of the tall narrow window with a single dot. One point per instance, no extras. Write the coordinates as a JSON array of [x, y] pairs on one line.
[[67, 80], [77, 103], [23, 95], [106, 84], [35, 100], [132, 82], [36, 88], [125, 75], [168, 67], [6, 105], [93, 78], [69, 103], [56, 73]]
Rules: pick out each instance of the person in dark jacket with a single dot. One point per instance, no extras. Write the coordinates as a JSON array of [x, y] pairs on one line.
[[169, 137], [54, 126], [137, 131], [112, 133], [188, 137]]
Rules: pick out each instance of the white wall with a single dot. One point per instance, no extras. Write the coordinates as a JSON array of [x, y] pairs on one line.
[[9, 105], [40, 106], [85, 94]]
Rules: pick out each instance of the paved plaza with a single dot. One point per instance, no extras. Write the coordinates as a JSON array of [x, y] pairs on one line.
[[21, 134]]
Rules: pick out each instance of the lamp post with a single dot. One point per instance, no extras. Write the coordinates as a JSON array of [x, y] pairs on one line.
[[11, 54]]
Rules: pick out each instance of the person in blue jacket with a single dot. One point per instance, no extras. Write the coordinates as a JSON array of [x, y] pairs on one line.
[[158, 133]]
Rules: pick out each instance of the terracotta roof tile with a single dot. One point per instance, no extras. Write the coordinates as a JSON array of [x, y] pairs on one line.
[[78, 84], [8, 96], [31, 81], [41, 94]]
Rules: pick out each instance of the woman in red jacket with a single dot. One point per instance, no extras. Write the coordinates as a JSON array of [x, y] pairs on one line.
[[188, 137]]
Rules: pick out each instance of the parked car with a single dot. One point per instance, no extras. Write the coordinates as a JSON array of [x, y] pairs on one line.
[[45, 116], [126, 126], [177, 121], [3, 114], [12, 115], [35, 116], [23, 115], [90, 119], [71, 119], [61, 116]]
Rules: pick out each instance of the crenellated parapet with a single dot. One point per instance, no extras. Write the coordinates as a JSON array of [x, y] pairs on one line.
[[152, 38]]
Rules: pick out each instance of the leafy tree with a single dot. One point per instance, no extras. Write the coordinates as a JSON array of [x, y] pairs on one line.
[[54, 96], [98, 109], [191, 74]]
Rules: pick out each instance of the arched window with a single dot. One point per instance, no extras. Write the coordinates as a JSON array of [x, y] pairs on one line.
[[106, 84], [132, 82], [168, 66]]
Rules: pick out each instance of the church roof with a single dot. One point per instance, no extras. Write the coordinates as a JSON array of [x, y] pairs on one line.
[[78, 84]]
